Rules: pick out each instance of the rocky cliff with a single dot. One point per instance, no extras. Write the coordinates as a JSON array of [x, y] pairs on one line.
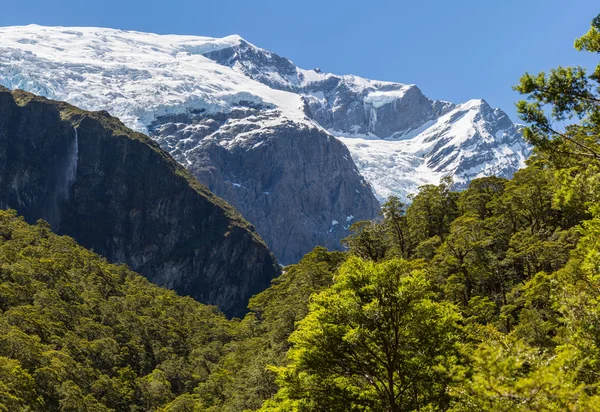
[[298, 185], [116, 192]]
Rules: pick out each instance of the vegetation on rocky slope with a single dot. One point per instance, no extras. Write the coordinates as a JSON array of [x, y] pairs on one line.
[[78, 333], [116, 192]]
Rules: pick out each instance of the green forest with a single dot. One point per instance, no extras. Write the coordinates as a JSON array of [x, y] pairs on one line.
[[482, 300]]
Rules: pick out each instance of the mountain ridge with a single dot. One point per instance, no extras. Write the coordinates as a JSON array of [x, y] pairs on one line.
[[377, 112], [114, 190], [247, 122]]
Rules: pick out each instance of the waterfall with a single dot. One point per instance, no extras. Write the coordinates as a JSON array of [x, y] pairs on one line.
[[64, 184], [71, 169]]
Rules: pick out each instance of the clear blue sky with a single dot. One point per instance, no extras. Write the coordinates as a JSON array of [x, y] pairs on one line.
[[453, 50]]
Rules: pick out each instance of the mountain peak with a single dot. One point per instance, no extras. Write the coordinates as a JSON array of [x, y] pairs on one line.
[[235, 40], [234, 37], [477, 103]]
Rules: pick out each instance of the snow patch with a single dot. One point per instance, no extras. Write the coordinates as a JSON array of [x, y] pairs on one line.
[[381, 98]]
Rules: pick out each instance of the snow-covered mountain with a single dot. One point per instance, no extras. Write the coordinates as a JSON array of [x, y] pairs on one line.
[[398, 137], [258, 131], [248, 143], [471, 140]]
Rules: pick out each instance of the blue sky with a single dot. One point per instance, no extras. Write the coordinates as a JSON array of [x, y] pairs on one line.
[[453, 50]]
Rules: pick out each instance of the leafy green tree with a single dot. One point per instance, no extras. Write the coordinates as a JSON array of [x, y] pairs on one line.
[[531, 308], [463, 260], [432, 211], [509, 375], [367, 240], [396, 226], [17, 388], [74, 399], [566, 93], [576, 299], [184, 403], [477, 199], [154, 390], [374, 341]]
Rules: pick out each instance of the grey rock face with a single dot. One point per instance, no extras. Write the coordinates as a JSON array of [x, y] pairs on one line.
[[254, 63], [116, 192], [298, 186], [351, 112]]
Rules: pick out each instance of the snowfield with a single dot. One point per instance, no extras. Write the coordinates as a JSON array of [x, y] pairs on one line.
[[137, 77]]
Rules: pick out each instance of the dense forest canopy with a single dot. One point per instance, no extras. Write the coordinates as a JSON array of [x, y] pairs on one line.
[[483, 300]]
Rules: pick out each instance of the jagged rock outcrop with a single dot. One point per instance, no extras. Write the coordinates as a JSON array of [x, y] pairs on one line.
[[297, 185], [343, 103], [116, 192]]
